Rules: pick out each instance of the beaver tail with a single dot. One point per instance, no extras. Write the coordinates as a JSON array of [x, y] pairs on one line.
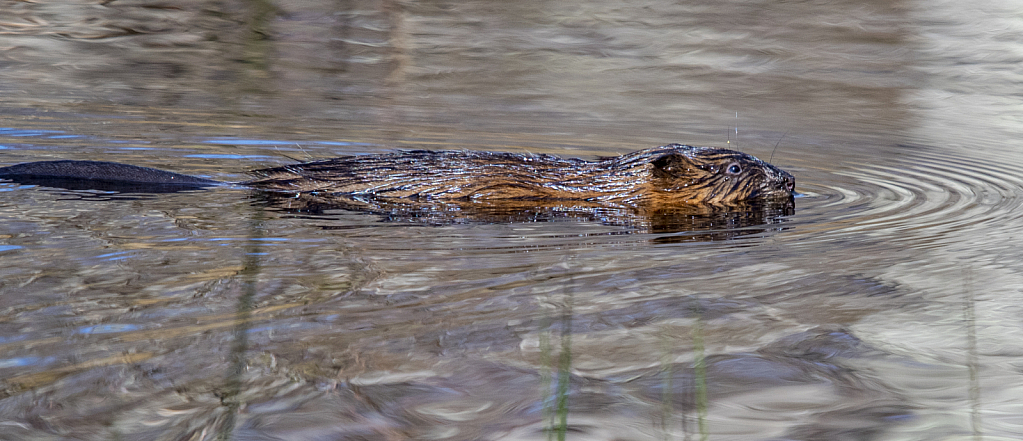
[[101, 175]]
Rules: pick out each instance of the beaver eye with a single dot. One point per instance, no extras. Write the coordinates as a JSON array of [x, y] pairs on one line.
[[734, 169]]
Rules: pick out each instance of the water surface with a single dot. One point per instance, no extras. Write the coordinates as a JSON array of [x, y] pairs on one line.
[[885, 307]]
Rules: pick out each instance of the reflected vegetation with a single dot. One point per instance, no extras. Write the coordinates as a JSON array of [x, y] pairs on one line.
[[556, 387], [231, 395], [883, 303]]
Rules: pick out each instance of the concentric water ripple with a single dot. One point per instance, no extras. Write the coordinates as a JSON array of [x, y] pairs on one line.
[[923, 197]]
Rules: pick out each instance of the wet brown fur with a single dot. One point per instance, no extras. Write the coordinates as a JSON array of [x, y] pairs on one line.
[[663, 176]]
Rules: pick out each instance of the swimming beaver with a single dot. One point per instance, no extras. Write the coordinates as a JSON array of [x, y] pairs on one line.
[[663, 176]]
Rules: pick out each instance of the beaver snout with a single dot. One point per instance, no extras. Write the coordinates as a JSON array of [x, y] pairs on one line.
[[783, 185]]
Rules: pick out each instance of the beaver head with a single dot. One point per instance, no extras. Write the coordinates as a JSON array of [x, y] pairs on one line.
[[715, 176]]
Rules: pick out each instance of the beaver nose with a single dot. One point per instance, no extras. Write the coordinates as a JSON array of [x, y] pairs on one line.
[[790, 183]]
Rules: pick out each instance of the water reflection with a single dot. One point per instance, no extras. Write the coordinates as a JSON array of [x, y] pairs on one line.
[[704, 221], [141, 315], [231, 395], [555, 386]]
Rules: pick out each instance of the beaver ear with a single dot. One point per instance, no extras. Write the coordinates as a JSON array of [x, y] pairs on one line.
[[671, 165]]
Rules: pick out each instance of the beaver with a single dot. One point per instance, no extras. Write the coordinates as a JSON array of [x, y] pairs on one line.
[[670, 175]]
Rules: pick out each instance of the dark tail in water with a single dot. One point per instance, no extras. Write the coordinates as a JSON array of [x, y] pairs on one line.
[[101, 175]]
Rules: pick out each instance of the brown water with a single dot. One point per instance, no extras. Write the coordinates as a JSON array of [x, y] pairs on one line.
[[885, 307]]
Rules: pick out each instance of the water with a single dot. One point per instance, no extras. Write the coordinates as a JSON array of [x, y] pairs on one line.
[[884, 307]]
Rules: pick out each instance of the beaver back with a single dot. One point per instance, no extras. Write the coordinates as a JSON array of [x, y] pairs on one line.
[[673, 174]]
